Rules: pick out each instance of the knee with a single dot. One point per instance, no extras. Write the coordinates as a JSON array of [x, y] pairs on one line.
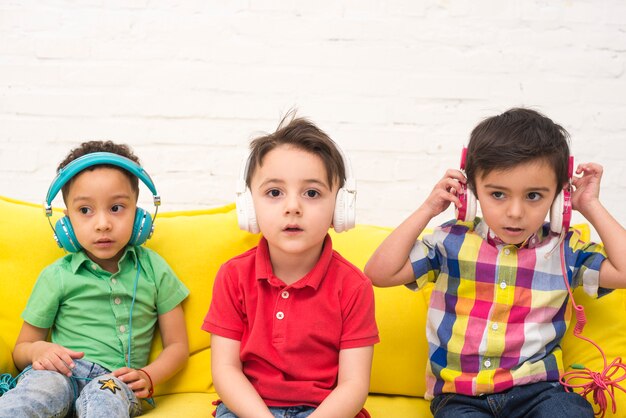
[[106, 393]]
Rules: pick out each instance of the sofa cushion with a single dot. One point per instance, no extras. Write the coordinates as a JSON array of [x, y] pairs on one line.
[[400, 357], [26, 247]]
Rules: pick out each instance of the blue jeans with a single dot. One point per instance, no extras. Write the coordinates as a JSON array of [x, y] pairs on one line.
[[92, 392], [288, 412], [537, 400]]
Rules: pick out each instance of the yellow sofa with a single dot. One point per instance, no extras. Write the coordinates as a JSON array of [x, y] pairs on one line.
[[196, 243]]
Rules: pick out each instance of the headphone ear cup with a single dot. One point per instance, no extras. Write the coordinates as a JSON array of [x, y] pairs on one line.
[[246, 215], [467, 211], [142, 227], [561, 212], [64, 235], [344, 216]]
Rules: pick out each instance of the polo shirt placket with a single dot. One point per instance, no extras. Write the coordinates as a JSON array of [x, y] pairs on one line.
[[119, 301], [281, 313]]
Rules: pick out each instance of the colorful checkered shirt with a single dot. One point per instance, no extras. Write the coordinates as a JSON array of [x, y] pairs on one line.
[[498, 312]]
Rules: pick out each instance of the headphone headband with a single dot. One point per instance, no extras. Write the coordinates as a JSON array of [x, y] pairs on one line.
[[93, 159]]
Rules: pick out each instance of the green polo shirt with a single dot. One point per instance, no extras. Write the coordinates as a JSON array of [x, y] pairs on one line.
[[88, 308]]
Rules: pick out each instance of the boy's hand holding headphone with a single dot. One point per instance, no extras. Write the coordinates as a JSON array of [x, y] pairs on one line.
[[446, 191], [586, 187]]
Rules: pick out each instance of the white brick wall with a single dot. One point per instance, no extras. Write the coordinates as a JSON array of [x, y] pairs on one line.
[[399, 84]]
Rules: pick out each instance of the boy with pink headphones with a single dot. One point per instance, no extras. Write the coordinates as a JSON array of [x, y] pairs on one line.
[[292, 322], [101, 302], [498, 308]]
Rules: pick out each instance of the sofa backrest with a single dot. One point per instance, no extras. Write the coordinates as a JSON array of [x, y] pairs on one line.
[[195, 244]]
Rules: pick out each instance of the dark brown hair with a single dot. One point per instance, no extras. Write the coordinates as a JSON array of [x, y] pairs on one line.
[[302, 134], [515, 137], [101, 146]]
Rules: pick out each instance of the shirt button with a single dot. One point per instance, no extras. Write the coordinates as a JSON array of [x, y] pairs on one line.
[[487, 363], [284, 294], [118, 301], [494, 327], [280, 315], [94, 266], [114, 281], [122, 328], [503, 285], [507, 251]]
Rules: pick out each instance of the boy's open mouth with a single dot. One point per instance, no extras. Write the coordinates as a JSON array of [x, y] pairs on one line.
[[292, 228]]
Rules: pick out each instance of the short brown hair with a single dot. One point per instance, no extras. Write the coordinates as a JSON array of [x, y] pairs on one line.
[[90, 147], [302, 134], [517, 136]]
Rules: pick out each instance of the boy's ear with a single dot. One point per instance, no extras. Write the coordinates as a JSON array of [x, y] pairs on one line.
[[65, 212]]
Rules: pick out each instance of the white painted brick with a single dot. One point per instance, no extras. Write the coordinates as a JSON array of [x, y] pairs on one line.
[[399, 84]]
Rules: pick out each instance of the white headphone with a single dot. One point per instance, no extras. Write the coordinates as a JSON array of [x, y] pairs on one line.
[[345, 203]]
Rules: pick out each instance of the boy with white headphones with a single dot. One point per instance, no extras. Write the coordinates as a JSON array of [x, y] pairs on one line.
[[497, 313], [101, 302], [292, 321]]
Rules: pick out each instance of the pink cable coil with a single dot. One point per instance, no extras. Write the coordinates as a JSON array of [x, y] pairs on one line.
[[599, 383]]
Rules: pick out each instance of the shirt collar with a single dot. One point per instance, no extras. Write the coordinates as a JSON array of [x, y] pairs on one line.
[[313, 278], [80, 259], [536, 239]]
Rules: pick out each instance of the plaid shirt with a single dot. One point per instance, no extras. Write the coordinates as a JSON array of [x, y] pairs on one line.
[[497, 312]]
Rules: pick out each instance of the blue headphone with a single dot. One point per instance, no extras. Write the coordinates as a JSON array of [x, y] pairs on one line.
[[143, 225]]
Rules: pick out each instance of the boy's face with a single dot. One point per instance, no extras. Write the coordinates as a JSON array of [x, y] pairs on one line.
[[294, 203], [101, 205], [515, 201]]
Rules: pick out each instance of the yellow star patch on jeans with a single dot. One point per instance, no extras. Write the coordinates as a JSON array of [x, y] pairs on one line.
[[109, 384]]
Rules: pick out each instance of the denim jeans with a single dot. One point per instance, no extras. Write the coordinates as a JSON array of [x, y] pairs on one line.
[[288, 412], [91, 392], [537, 400]]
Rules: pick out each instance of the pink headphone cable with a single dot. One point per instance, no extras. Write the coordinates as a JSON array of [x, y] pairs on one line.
[[598, 383]]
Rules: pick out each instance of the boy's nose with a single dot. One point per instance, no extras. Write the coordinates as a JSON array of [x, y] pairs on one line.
[[515, 209], [102, 223], [292, 205]]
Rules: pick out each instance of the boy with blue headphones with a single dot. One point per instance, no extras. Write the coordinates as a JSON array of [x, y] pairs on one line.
[[101, 302], [292, 321], [498, 309]]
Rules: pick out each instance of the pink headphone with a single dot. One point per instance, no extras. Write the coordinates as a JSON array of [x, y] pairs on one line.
[[560, 211]]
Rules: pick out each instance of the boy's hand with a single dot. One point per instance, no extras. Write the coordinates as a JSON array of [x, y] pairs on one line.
[[54, 357], [587, 187], [446, 191], [136, 380]]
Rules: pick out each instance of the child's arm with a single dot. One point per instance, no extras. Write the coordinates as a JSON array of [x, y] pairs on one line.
[[390, 264], [586, 199], [31, 347], [173, 357], [353, 382], [233, 387]]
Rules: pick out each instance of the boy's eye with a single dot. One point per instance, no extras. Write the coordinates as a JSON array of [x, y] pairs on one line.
[[534, 196], [116, 208], [84, 210], [498, 195], [312, 193], [273, 193]]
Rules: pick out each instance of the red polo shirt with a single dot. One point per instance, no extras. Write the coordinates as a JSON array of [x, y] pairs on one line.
[[291, 335]]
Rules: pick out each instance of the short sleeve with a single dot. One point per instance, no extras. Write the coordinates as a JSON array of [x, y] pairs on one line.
[[170, 290], [225, 316], [359, 323], [45, 298], [425, 261], [584, 260]]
